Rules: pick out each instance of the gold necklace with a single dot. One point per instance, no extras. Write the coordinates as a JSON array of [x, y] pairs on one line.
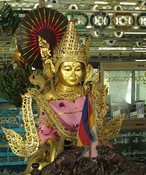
[[70, 95]]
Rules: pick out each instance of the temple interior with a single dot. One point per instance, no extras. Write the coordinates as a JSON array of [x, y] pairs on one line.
[[117, 50]]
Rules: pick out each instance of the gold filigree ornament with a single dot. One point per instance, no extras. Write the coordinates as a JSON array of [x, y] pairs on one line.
[[52, 118], [71, 48], [109, 130], [71, 95], [44, 48], [24, 147], [106, 130], [38, 78]]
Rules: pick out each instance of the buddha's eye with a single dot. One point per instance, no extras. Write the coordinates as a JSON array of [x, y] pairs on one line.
[[67, 68], [78, 69]]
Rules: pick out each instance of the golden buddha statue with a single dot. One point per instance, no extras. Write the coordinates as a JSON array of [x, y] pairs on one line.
[[65, 97]]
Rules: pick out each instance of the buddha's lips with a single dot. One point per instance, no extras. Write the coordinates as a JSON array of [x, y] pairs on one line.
[[72, 78]]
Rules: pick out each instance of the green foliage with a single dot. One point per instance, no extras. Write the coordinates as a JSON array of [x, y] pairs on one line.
[[14, 82]]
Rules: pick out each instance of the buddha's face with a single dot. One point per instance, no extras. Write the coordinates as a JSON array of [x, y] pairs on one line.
[[70, 73]]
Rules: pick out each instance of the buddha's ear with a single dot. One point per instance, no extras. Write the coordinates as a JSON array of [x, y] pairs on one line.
[[89, 72]]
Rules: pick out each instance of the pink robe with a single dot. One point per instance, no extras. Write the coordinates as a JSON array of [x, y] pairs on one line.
[[68, 112]]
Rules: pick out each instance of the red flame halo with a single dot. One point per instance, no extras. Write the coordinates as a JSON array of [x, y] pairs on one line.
[[45, 22]]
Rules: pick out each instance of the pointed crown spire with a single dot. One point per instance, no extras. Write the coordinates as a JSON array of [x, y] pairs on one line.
[[70, 48]]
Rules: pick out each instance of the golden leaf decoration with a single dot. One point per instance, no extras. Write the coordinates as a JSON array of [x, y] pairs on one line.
[[110, 129], [107, 130], [24, 147], [15, 142]]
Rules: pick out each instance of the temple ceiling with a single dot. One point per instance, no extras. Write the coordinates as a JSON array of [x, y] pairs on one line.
[[117, 28]]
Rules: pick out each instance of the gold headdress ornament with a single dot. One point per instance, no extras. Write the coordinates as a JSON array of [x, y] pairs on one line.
[[70, 48]]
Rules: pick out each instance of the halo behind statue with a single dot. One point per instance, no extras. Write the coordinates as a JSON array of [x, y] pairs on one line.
[[44, 22]]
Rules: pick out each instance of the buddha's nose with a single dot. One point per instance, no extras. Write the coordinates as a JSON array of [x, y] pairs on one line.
[[73, 73]]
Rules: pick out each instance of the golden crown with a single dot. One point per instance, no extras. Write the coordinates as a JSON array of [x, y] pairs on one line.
[[71, 48]]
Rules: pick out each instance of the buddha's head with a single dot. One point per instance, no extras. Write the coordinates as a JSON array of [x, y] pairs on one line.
[[71, 57], [70, 73]]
